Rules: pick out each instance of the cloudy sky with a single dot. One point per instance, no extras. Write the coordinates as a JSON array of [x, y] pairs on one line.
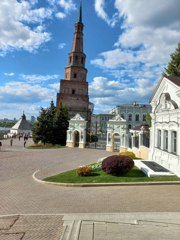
[[127, 42]]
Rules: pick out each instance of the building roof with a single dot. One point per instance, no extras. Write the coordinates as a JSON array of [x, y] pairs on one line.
[[22, 124], [175, 80]]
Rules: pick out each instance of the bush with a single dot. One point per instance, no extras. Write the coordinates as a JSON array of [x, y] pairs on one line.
[[84, 171], [128, 154], [117, 165]]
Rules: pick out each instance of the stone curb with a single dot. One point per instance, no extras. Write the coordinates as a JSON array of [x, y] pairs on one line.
[[103, 184]]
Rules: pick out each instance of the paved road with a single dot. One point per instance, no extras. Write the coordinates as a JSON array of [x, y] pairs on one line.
[[19, 193], [30, 210]]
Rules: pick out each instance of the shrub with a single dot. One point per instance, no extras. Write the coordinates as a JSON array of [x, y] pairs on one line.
[[117, 165], [84, 171], [128, 154]]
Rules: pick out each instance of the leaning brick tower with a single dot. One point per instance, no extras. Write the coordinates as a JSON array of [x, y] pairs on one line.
[[74, 87]]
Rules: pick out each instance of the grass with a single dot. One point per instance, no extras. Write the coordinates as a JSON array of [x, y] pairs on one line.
[[135, 175], [46, 146]]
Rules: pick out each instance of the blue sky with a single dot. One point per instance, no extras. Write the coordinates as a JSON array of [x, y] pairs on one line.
[[127, 42]]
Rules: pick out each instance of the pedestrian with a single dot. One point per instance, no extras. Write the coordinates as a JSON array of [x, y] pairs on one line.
[[0, 145], [25, 143], [11, 142]]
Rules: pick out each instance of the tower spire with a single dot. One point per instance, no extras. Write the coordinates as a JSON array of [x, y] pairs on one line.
[[80, 12]]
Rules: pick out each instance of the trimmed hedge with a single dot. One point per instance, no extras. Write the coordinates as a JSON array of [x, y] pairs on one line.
[[128, 154], [117, 165], [84, 171]]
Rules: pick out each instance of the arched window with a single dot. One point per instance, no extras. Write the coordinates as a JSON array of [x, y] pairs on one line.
[[82, 60], [76, 59], [130, 117], [137, 117], [75, 75]]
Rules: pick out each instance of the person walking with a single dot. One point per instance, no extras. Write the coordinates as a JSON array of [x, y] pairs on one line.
[[11, 142], [25, 143]]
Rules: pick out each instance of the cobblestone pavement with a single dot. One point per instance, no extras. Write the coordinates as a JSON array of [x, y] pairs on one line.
[[31, 227], [20, 194], [33, 206]]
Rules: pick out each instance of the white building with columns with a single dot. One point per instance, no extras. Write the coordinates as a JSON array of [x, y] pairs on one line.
[[165, 130]]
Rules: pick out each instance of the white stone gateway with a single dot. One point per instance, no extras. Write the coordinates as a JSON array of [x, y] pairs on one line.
[[165, 130], [117, 128], [76, 133]]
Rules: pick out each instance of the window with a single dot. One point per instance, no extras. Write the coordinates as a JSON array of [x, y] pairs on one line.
[[82, 60], [137, 117], [70, 59], [174, 142], [144, 118], [159, 138], [165, 140], [130, 117], [73, 91], [76, 59], [75, 75]]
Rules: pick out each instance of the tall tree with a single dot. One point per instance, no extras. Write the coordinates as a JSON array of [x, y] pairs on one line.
[[61, 125], [173, 68], [51, 125], [40, 131]]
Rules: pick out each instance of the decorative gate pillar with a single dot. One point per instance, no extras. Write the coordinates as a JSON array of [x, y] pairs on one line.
[[117, 125], [76, 124]]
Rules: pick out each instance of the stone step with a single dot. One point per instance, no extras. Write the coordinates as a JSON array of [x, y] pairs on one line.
[[71, 230]]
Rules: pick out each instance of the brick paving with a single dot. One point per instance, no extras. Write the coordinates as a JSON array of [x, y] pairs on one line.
[[31, 227], [20, 195]]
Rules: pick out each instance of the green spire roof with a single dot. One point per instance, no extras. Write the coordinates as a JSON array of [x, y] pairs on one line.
[[80, 13]]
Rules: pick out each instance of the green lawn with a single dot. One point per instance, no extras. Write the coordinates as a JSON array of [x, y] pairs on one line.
[[135, 175]]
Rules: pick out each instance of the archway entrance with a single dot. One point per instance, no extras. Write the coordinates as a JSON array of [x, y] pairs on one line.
[[117, 133], [76, 139], [116, 142], [76, 133]]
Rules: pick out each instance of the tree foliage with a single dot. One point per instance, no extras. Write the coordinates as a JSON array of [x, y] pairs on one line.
[[51, 126], [173, 68]]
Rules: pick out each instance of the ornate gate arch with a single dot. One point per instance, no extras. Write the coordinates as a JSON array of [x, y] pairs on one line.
[[117, 126], [77, 124]]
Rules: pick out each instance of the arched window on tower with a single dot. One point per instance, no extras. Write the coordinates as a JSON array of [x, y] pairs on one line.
[[76, 59], [75, 75], [70, 60], [82, 60]]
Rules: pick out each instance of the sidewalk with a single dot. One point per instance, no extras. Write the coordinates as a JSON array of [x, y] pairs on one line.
[[112, 226], [122, 226]]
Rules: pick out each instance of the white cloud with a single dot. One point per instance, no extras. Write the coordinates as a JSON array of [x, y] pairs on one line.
[[149, 33], [67, 5], [19, 92], [38, 77], [100, 10], [14, 29], [11, 74], [61, 45], [109, 93], [60, 15]]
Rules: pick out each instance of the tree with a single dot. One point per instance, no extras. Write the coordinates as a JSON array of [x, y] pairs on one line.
[[51, 125], [173, 68], [60, 125], [40, 131]]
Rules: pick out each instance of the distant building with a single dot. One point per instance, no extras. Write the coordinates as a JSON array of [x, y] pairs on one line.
[[165, 130], [33, 119], [134, 114], [21, 127], [99, 123]]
